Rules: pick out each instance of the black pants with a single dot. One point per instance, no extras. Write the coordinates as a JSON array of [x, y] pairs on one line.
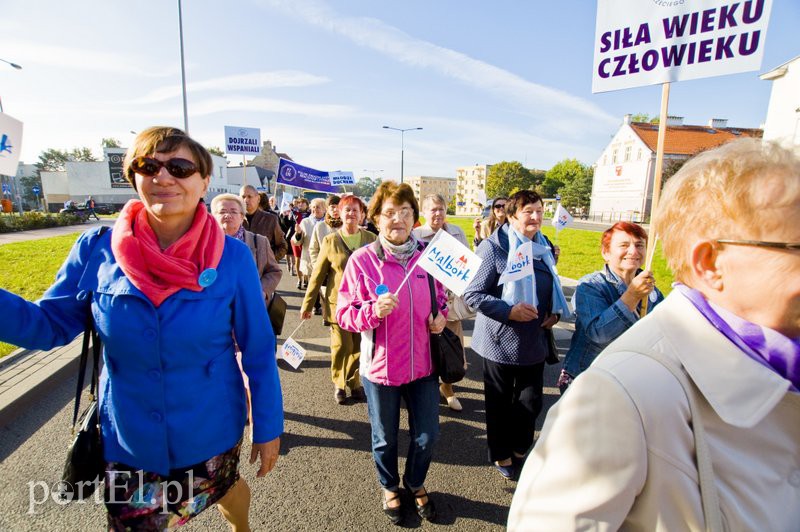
[[513, 396]]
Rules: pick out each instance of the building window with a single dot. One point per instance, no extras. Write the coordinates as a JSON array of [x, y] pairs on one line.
[[614, 157], [627, 153], [605, 161], [639, 155]]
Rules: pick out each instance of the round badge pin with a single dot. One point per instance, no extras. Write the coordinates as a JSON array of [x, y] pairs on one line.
[[381, 289], [207, 277]]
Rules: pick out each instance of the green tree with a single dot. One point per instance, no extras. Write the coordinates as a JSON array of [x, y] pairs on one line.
[[507, 177], [216, 150], [110, 143], [27, 183], [365, 187], [82, 154], [52, 160], [451, 207], [577, 194]]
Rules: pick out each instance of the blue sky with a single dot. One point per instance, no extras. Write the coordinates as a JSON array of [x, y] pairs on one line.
[[488, 81]]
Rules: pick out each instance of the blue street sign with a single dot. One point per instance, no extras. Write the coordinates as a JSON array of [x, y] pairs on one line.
[[558, 197], [6, 188], [36, 190]]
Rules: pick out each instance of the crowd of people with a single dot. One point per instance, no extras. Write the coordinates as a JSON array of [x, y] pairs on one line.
[[685, 419]]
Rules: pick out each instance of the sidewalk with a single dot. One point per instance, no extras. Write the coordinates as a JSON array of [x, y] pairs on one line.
[[37, 234]]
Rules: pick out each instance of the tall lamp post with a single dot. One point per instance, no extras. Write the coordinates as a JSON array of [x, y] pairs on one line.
[[183, 71], [402, 144], [13, 65]]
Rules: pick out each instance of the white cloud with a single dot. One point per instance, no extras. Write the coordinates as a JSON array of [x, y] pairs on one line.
[[268, 105], [532, 99], [255, 80]]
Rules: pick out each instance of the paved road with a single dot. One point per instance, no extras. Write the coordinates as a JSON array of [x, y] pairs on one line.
[[325, 478], [37, 234]]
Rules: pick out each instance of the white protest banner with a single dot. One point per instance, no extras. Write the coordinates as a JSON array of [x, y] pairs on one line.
[[286, 202], [10, 144], [450, 262], [647, 42], [341, 178], [561, 218], [292, 352], [481, 197], [242, 140], [520, 266]]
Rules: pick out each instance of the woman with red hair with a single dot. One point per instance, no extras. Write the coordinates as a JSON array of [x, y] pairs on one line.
[[608, 301]]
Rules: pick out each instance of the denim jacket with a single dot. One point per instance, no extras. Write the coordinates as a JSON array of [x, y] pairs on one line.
[[601, 317]]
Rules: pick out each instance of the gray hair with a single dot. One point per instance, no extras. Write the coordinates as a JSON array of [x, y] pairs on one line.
[[227, 197]]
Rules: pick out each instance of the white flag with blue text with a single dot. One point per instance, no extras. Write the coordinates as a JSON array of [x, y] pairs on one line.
[[450, 262], [520, 265], [561, 218]]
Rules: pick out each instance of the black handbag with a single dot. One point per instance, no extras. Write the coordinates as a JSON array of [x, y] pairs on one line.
[[447, 353], [277, 313], [85, 466]]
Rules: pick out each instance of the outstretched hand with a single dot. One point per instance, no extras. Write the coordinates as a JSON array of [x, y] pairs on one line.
[[267, 453]]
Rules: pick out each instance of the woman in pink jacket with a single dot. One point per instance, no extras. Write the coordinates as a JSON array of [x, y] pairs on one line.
[[395, 349]]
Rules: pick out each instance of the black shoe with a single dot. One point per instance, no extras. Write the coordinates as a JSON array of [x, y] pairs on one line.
[[299, 285], [318, 311], [507, 471], [426, 511], [395, 515], [340, 396]]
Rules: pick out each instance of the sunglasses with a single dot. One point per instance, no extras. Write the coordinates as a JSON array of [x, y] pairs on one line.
[[177, 167], [499, 206]]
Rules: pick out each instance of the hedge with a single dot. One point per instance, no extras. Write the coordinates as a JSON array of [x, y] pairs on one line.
[[36, 220]]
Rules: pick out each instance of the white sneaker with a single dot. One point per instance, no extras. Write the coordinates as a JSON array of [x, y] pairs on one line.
[[453, 403]]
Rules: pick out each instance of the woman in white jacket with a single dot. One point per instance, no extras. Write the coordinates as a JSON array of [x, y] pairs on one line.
[[623, 447]]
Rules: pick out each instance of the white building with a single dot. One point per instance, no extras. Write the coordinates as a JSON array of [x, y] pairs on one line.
[[783, 113], [622, 188], [470, 185]]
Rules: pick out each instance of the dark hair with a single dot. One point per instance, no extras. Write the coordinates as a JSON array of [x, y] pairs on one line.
[[352, 199], [389, 190], [263, 201], [626, 227], [332, 200], [493, 221], [165, 139], [519, 199]]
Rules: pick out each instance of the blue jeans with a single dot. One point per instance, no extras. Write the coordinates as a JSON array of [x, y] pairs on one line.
[[383, 402]]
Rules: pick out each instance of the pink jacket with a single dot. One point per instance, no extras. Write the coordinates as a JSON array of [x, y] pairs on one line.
[[395, 350]]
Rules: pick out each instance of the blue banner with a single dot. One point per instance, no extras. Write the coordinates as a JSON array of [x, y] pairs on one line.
[[297, 175]]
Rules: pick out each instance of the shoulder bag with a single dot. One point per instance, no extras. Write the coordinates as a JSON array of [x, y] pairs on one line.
[[277, 305], [447, 353]]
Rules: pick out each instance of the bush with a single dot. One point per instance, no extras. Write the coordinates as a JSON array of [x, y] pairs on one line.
[[36, 220]]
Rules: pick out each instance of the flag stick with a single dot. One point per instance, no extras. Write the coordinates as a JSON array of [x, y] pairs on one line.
[[405, 279], [296, 329], [662, 133]]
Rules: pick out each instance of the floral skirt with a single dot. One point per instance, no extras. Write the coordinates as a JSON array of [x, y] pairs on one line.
[[138, 500]]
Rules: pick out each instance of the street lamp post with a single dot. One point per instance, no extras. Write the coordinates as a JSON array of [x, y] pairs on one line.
[[183, 71], [15, 66], [402, 144]]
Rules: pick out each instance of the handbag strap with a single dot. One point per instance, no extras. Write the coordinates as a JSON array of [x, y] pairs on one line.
[[434, 306], [346, 247], [708, 490], [89, 334]]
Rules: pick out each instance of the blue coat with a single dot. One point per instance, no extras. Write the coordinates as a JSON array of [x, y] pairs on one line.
[[601, 317], [171, 391], [496, 337]]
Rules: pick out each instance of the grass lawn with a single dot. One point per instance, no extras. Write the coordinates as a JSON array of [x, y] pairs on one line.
[[580, 252], [29, 268]]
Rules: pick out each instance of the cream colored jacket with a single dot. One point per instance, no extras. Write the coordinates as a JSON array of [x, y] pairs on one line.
[[616, 452]]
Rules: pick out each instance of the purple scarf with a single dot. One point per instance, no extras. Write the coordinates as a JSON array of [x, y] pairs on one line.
[[764, 345], [239, 234]]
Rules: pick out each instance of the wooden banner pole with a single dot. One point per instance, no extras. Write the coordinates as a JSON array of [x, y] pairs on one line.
[[662, 133]]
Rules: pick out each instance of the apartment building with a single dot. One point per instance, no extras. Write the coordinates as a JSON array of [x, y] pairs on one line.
[[470, 189], [423, 185]]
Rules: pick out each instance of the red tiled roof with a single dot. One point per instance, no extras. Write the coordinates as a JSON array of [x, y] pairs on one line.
[[284, 156], [688, 140]]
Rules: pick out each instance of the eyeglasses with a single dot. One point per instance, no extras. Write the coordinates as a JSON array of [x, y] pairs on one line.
[[404, 213], [177, 167], [499, 206], [760, 243], [228, 213]]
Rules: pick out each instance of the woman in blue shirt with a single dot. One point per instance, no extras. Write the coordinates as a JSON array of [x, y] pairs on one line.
[[608, 301], [169, 293]]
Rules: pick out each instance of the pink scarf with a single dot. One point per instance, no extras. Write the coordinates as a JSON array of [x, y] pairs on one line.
[[159, 274]]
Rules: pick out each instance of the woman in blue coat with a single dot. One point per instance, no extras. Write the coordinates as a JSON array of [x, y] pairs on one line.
[[169, 294], [509, 329]]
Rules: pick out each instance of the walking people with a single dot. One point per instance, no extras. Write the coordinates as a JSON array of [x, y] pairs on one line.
[[331, 223], [90, 205], [302, 238], [510, 330], [300, 212], [336, 249], [168, 294], [262, 222], [395, 331], [690, 420], [608, 301], [287, 221], [434, 209]]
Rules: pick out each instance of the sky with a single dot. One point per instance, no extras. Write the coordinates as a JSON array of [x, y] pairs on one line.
[[487, 81]]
